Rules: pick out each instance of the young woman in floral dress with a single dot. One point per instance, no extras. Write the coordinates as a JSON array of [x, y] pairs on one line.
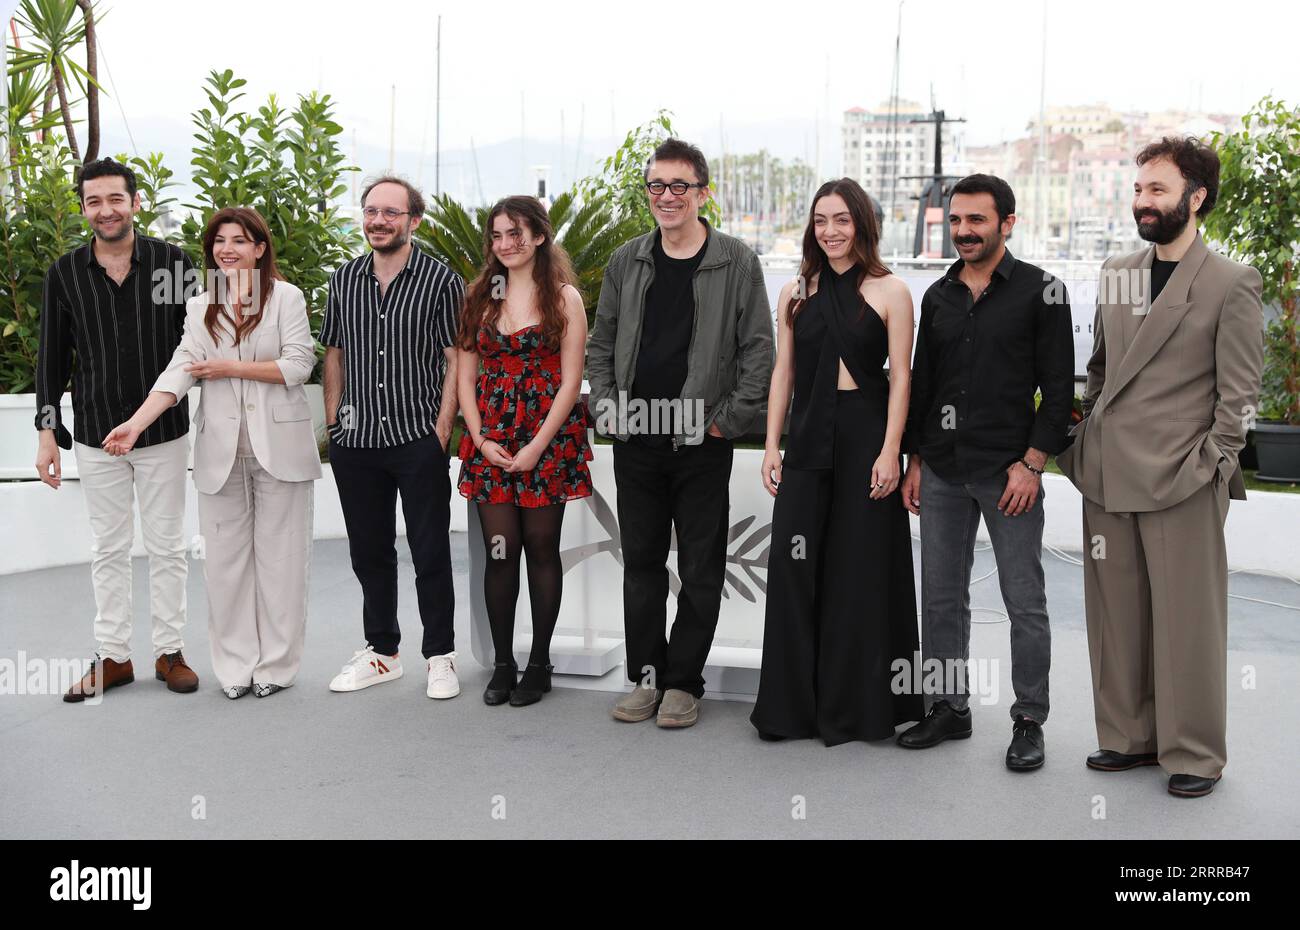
[[522, 338]]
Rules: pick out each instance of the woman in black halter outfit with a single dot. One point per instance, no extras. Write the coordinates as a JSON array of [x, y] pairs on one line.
[[841, 605]]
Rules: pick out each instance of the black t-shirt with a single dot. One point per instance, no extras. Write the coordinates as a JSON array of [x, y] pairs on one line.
[[668, 321], [1160, 272]]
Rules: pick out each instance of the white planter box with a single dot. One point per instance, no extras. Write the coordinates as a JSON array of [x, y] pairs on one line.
[[45, 528], [589, 635], [18, 431]]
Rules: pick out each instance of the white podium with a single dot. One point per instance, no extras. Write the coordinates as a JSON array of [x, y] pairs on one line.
[[589, 635]]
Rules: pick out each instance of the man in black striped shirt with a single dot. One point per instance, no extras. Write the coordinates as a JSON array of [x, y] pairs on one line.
[[390, 403], [113, 313]]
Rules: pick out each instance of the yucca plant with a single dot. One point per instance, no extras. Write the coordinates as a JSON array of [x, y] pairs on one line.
[[53, 30], [26, 94]]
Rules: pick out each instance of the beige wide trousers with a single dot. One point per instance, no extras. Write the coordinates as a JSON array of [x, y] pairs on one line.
[[257, 533], [1156, 594]]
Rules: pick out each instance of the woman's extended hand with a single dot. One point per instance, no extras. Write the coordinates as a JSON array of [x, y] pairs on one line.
[[122, 439]]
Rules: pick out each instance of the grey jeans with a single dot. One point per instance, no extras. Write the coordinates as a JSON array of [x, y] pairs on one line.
[[950, 515]]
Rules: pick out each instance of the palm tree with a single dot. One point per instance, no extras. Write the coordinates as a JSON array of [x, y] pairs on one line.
[[56, 28], [589, 232]]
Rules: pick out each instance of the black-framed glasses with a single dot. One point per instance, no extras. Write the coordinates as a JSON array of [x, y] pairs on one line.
[[677, 187], [388, 213]]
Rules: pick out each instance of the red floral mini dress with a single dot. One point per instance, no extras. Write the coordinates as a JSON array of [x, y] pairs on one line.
[[518, 384]]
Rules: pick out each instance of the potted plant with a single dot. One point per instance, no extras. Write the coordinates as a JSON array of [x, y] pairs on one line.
[[1257, 220]]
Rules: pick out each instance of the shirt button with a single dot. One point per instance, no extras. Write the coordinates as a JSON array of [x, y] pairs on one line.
[[381, 351], [249, 408], [383, 418], [381, 384]]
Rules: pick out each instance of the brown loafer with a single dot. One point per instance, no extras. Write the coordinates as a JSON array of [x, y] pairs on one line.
[[172, 669], [103, 674]]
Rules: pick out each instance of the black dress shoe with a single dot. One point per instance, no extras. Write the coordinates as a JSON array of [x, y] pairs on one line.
[[1191, 786], [502, 685], [535, 682], [1026, 750], [769, 737], [1107, 760], [942, 722]]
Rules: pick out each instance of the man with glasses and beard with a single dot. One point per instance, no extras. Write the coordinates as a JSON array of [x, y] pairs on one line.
[[1172, 385], [390, 404], [994, 330]]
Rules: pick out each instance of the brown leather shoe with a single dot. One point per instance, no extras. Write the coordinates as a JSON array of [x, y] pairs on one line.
[[172, 669], [103, 674]]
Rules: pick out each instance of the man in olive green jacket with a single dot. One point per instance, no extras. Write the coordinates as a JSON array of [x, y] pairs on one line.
[[679, 364]]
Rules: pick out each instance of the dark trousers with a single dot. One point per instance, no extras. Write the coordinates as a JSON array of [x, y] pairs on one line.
[[950, 515], [369, 481], [660, 491]]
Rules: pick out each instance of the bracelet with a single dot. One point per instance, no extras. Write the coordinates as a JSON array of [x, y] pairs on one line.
[[1036, 471]]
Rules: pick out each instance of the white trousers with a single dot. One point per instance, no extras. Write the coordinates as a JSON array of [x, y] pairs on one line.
[[256, 548], [153, 477]]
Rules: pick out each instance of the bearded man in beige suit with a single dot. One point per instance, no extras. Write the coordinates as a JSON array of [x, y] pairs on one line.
[[1172, 385]]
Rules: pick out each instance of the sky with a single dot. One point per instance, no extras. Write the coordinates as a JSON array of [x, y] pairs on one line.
[[750, 73]]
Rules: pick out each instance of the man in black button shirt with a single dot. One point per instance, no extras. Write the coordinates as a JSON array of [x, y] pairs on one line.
[[113, 313], [993, 331]]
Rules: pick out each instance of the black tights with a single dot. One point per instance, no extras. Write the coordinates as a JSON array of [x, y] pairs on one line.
[[509, 530]]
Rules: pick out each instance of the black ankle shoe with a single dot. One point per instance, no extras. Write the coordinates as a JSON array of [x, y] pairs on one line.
[[943, 722], [1107, 760], [502, 685], [1192, 786], [1026, 751], [535, 682]]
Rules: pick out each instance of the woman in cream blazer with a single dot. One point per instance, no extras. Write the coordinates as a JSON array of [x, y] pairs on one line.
[[248, 340]]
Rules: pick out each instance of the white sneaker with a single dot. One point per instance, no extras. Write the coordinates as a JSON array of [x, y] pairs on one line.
[[366, 668], [443, 682]]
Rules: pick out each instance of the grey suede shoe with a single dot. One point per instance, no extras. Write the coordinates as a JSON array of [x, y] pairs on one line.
[[679, 709], [637, 705]]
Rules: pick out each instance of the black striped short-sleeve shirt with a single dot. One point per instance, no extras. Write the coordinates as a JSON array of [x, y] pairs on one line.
[[394, 348], [112, 341]]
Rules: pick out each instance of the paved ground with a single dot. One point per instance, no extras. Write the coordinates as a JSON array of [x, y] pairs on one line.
[[388, 762]]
